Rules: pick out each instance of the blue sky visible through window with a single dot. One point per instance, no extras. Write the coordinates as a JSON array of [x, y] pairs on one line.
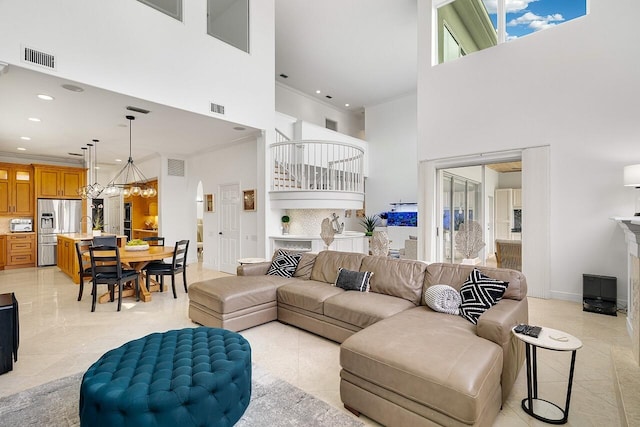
[[528, 16]]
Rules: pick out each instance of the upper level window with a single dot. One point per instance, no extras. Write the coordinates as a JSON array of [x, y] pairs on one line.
[[478, 24], [173, 8], [228, 20]]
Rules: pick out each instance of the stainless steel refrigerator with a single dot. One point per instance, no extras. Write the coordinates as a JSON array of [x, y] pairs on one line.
[[55, 217]]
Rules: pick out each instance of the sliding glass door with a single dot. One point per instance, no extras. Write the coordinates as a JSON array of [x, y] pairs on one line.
[[461, 202]]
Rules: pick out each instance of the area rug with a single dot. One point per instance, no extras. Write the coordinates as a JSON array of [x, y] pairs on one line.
[[274, 402]]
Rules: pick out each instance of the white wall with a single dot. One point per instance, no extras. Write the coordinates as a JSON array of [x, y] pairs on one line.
[[234, 163], [510, 180], [573, 87], [304, 107], [128, 47], [392, 138]]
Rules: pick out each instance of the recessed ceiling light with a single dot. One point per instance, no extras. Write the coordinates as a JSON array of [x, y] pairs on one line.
[[25, 138], [73, 88], [346, 105], [118, 160], [318, 91], [45, 97], [34, 119], [97, 167], [239, 128], [22, 149]]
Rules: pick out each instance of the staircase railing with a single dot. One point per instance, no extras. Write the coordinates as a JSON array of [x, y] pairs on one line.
[[317, 166]]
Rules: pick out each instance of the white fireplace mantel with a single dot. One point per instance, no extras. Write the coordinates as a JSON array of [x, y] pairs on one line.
[[631, 228]]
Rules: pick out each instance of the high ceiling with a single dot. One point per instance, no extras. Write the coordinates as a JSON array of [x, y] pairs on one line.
[[360, 52]]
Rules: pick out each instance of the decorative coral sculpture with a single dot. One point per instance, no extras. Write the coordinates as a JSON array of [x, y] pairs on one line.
[[327, 232], [469, 239]]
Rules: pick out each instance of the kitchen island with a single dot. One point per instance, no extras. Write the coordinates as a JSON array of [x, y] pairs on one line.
[[66, 252]]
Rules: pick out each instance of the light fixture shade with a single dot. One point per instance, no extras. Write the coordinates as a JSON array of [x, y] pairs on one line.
[[632, 176]]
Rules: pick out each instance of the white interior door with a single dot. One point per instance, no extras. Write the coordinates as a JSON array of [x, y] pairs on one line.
[[229, 234]]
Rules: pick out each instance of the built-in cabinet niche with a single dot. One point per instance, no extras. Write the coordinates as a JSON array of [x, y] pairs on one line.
[[508, 213]]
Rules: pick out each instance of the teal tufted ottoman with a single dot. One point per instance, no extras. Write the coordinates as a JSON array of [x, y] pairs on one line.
[[187, 377]]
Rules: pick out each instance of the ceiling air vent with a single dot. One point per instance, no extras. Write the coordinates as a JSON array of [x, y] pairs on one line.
[[137, 109], [175, 167], [217, 108], [36, 57]]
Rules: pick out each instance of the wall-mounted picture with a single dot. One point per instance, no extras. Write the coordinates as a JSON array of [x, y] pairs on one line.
[[209, 203], [249, 200]]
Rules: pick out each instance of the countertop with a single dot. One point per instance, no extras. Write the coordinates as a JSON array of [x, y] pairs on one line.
[[85, 236], [344, 235], [146, 230], [10, 233]]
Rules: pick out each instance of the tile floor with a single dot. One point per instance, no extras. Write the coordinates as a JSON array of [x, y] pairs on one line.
[[59, 336]]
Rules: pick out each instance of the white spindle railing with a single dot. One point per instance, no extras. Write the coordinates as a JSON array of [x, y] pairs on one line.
[[317, 166]]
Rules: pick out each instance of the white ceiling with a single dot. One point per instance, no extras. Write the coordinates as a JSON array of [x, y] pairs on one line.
[[360, 52]]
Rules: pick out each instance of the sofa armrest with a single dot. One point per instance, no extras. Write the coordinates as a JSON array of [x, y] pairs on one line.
[[258, 269], [495, 325]]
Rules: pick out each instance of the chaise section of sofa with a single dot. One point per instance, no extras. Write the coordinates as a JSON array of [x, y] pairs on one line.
[[423, 364]]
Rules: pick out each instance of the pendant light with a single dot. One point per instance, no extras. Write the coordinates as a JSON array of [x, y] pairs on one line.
[[130, 181], [92, 191]]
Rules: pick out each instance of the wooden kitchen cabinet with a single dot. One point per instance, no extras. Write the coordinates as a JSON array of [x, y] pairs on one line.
[[21, 250], [67, 258], [16, 189], [58, 182], [3, 251]]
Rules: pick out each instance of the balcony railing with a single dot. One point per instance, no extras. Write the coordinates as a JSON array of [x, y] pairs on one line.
[[317, 166]]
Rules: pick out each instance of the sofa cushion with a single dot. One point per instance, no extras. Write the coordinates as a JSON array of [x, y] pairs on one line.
[[305, 265], [308, 294], [363, 309], [400, 278], [353, 280], [229, 294], [479, 293], [325, 269], [456, 274], [284, 264], [427, 357]]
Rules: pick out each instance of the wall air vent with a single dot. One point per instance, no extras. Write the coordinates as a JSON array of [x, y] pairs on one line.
[[175, 167], [138, 109], [37, 57], [217, 108]]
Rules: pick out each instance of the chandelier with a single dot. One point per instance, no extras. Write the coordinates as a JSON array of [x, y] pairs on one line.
[[130, 181], [92, 191]]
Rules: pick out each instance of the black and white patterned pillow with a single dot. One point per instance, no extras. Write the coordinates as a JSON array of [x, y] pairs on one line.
[[284, 264], [479, 293], [353, 280]]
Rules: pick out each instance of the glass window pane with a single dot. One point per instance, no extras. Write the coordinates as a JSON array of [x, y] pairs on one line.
[[4, 174], [467, 24], [22, 176], [173, 8], [527, 16], [228, 20]]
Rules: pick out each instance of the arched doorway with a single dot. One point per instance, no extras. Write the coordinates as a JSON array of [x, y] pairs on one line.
[[199, 220]]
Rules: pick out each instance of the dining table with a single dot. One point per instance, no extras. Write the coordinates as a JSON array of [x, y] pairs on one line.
[[138, 259]]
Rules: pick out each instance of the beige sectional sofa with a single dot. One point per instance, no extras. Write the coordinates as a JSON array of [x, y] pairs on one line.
[[403, 364]]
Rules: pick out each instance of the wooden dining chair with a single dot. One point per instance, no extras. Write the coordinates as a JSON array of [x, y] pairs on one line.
[[154, 240], [106, 269], [178, 265], [105, 241], [84, 270]]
